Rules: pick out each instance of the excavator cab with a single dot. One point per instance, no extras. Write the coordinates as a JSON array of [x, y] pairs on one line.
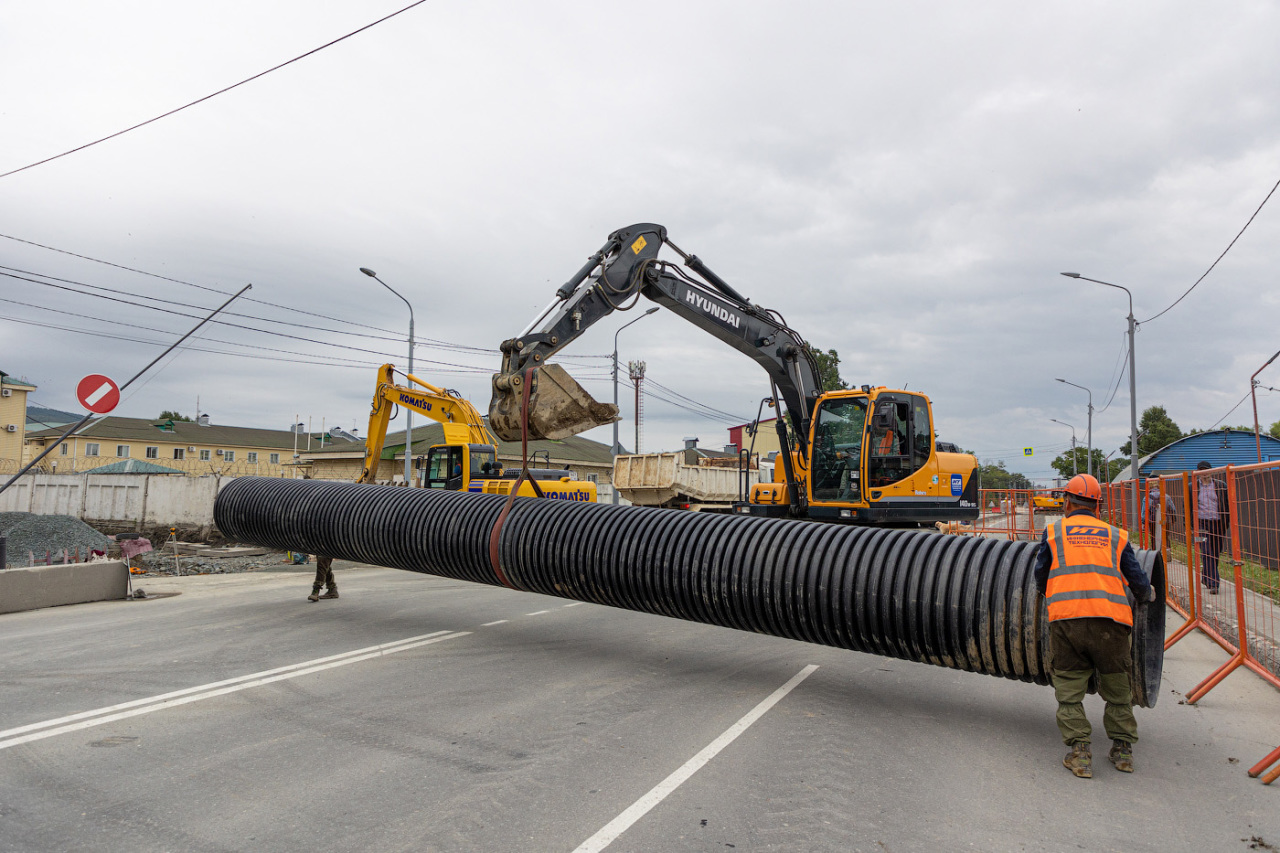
[[558, 406], [452, 466]]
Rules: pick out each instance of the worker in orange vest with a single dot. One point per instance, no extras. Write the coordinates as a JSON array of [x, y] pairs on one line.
[[1083, 568]]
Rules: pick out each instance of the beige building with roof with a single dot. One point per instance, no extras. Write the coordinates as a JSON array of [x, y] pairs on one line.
[[196, 449], [590, 460], [13, 421]]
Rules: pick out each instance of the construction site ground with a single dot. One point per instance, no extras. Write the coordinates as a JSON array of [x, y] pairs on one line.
[[419, 713]]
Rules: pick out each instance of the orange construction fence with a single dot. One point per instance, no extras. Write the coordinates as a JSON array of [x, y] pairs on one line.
[[1196, 519]]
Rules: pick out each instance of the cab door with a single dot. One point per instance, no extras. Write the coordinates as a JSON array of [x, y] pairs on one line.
[[445, 468]]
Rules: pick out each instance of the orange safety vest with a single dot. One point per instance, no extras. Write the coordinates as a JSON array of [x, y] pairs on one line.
[[1084, 578], [885, 447]]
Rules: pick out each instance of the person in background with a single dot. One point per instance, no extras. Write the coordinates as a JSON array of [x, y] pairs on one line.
[[1084, 568], [324, 577], [1156, 526], [1214, 520]]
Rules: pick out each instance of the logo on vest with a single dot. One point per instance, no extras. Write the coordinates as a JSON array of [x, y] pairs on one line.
[[1079, 535]]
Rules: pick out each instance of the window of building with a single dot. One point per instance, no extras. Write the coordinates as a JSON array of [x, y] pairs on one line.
[[179, 453], [122, 451], [274, 458], [206, 455], [62, 451], [253, 457], [592, 478], [153, 453], [229, 456], [91, 450]]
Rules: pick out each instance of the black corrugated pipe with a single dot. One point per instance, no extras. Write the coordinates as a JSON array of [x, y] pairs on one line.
[[952, 601]]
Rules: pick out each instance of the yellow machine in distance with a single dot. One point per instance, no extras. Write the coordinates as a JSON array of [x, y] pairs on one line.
[[468, 458]]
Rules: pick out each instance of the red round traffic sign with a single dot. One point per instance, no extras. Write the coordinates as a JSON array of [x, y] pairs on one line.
[[98, 394]]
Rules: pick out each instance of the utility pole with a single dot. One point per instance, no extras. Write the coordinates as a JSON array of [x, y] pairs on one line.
[[636, 371]]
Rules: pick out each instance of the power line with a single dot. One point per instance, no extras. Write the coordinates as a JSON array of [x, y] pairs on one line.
[[1220, 257], [1233, 408], [214, 94]]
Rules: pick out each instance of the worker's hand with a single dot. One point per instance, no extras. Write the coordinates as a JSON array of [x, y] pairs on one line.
[[1151, 593]]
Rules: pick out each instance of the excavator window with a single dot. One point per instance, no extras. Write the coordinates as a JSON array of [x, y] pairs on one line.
[[837, 451], [444, 468], [901, 438]]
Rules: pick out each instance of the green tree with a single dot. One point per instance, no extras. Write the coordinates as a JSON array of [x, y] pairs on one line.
[[1063, 464], [1274, 431], [167, 415], [828, 369], [996, 476], [1156, 430]]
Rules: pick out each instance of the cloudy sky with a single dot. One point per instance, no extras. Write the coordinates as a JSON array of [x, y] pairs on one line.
[[904, 182]]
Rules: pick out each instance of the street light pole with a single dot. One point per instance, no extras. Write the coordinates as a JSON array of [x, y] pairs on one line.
[[1133, 393], [408, 414], [1253, 392], [613, 451], [1075, 469], [1089, 428]]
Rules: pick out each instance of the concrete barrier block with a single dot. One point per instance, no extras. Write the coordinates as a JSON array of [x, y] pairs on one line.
[[50, 586]]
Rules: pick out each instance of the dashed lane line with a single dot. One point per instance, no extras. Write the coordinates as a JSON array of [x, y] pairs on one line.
[[88, 719], [537, 613], [641, 807]]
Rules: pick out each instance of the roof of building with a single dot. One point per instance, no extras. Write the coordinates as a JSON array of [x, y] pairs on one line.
[[134, 466], [1219, 447], [575, 448], [181, 432], [6, 379]]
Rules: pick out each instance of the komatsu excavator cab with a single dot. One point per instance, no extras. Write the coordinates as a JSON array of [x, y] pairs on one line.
[[453, 466]]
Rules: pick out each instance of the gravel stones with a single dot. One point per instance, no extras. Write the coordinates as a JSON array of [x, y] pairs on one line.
[[29, 533]]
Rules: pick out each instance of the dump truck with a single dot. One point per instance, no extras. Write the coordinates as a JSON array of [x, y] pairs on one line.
[[667, 480]]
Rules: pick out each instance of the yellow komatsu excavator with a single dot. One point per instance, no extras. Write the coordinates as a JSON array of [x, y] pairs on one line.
[[468, 459], [861, 456]]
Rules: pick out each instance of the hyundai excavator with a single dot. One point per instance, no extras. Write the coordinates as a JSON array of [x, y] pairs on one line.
[[862, 456], [468, 459]]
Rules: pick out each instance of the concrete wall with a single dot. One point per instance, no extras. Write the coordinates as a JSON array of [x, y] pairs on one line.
[[145, 500], [50, 586]]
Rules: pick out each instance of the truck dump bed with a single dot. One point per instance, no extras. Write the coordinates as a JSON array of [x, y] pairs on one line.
[[663, 479]]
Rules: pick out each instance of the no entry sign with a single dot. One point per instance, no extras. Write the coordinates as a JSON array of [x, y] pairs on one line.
[[98, 394]]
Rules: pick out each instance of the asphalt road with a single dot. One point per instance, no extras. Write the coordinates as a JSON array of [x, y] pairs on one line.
[[423, 714]]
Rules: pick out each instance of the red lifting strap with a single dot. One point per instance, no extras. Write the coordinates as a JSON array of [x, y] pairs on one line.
[[496, 534]]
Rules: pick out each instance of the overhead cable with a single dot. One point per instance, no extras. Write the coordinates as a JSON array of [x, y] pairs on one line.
[[212, 94], [1220, 257]]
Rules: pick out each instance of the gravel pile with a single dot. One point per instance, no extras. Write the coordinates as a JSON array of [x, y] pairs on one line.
[[29, 533], [161, 563]]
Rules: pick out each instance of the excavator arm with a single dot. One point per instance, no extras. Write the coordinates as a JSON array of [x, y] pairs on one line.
[[625, 267], [462, 423]]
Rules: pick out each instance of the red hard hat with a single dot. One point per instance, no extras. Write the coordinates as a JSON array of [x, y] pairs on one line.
[[1085, 486]]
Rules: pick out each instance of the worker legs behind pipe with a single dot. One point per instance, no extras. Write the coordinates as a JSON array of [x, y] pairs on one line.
[[324, 578], [1078, 649]]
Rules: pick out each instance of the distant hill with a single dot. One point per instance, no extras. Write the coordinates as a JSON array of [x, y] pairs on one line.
[[40, 417]]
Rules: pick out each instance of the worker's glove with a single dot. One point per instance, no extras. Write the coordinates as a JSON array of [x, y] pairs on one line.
[[1151, 593]]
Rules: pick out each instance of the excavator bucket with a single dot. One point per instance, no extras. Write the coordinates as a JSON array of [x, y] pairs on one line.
[[558, 406]]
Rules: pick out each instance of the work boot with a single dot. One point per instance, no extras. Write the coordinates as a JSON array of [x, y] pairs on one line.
[[1121, 755], [1079, 761], [315, 594], [332, 593]]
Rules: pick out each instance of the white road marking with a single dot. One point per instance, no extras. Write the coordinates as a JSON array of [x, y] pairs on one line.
[[640, 807], [489, 624], [88, 719], [575, 604], [537, 613], [102, 391]]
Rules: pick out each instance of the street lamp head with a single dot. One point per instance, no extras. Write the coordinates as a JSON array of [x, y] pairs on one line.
[[1070, 274], [368, 272], [651, 310]]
